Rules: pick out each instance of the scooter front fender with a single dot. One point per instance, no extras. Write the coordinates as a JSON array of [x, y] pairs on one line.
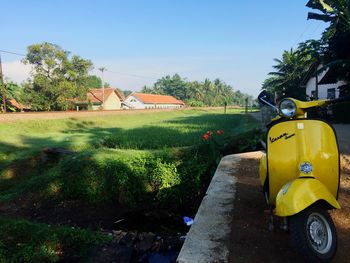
[[299, 194]]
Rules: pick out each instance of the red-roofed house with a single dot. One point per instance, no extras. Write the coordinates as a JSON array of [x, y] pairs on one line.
[[152, 101], [112, 99], [17, 106]]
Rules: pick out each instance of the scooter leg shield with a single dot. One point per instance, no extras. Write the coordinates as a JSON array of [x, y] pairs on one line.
[[299, 194]]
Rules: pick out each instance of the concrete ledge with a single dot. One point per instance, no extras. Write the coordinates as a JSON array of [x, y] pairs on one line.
[[209, 237]]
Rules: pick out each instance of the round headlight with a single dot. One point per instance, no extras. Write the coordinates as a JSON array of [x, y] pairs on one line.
[[287, 108]]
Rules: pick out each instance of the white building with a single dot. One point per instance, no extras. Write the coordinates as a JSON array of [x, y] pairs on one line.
[[326, 87], [151, 101]]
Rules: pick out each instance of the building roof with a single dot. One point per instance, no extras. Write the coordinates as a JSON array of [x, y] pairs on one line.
[[309, 74], [96, 95], [16, 104], [329, 78], [156, 99]]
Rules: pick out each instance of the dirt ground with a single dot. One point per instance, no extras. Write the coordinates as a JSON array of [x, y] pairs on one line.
[[26, 116], [50, 115], [251, 240]]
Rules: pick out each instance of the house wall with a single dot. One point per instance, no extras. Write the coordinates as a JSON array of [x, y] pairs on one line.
[[162, 106], [96, 107], [322, 89], [112, 102], [134, 103]]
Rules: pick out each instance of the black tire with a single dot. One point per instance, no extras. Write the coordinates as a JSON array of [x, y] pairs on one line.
[[313, 234]]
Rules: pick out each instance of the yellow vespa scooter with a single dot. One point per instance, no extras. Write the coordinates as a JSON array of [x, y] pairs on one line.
[[300, 176]]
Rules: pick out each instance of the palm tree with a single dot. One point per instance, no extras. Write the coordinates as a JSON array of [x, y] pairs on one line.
[[195, 91], [289, 71]]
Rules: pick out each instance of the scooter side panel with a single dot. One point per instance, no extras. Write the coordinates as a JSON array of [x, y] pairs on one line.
[[295, 196], [292, 143]]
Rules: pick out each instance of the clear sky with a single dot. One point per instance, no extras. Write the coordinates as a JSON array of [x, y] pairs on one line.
[[141, 41]]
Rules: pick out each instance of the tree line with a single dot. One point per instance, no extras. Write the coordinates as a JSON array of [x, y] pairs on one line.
[[58, 76], [195, 93], [331, 50]]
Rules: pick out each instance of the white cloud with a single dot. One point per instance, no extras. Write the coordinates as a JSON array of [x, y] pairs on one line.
[[134, 73], [16, 71]]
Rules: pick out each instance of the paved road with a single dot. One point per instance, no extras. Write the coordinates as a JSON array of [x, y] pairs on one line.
[[343, 134]]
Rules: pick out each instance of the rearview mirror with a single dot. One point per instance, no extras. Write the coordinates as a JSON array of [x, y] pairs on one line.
[[265, 99]]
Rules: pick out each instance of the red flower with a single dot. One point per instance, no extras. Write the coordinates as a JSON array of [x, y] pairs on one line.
[[209, 133], [205, 136], [219, 132]]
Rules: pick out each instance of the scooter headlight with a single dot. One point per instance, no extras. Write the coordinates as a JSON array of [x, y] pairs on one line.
[[287, 108]]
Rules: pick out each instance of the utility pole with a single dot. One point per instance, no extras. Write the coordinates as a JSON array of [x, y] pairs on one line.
[[102, 69], [2, 88]]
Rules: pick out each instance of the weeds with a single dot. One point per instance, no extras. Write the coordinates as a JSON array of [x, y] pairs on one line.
[[139, 161], [24, 241]]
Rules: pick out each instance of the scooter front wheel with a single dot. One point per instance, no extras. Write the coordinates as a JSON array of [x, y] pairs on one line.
[[314, 234]]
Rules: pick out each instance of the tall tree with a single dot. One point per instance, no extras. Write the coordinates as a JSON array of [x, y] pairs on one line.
[[56, 77], [94, 81], [337, 35], [289, 71], [172, 85]]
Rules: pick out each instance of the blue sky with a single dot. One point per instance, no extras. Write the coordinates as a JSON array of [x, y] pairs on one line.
[[141, 41]]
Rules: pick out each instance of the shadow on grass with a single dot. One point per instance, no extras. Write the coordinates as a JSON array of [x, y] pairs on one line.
[[19, 162], [103, 184], [184, 131], [100, 182]]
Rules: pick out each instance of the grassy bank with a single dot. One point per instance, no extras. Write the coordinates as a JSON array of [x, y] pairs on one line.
[[21, 140], [139, 161]]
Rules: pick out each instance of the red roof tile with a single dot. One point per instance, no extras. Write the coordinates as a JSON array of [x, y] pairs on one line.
[[16, 104], [157, 99], [96, 95]]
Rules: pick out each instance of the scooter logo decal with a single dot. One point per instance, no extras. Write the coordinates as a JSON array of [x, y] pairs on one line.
[[285, 135]]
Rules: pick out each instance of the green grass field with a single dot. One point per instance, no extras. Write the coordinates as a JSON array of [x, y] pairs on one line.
[[130, 131], [145, 159]]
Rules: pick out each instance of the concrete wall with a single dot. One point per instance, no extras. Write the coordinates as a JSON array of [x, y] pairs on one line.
[[208, 240]]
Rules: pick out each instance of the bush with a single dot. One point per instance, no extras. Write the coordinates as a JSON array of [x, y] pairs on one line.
[[195, 103], [134, 178], [105, 176], [341, 112], [23, 241]]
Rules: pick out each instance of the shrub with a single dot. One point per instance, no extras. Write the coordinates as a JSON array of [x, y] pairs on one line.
[[162, 174], [341, 112], [195, 103], [23, 241], [134, 178], [105, 176]]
